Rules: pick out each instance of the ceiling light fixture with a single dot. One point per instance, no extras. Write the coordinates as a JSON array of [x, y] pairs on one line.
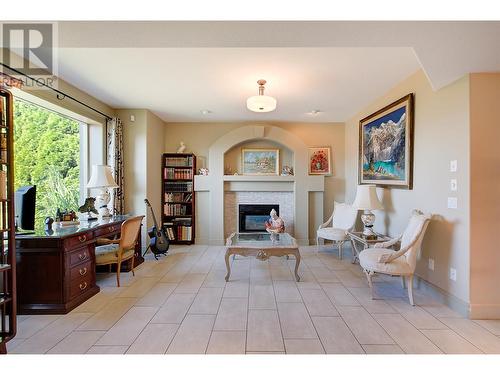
[[261, 102], [315, 112], [205, 111]]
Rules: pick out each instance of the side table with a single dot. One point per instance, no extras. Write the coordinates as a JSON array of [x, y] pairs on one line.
[[359, 242]]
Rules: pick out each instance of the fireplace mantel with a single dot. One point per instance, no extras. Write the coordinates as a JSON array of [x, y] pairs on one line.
[[216, 184]]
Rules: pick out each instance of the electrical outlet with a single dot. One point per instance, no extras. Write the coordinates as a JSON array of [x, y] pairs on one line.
[[452, 202], [453, 184], [453, 165], [453, 274], [431, 264]]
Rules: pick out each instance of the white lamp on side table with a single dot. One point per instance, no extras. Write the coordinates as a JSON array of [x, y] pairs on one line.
[[367, 200], [102, 178]]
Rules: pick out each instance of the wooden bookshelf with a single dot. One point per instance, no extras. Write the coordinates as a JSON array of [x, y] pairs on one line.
[[7, 230], [178, 198]]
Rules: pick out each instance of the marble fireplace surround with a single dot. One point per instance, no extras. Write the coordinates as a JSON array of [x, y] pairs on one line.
[[217, 184], [232, 200]]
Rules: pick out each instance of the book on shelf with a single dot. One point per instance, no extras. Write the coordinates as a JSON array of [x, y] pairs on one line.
[[176, 161], [177, 174], [179, 186], [3, 147], [175, 209], [3, 185], [178, 197]]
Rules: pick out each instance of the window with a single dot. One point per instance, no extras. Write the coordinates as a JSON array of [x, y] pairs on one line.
[[47, 154]]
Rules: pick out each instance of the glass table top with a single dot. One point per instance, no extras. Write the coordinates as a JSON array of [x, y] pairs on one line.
[[261, 239]]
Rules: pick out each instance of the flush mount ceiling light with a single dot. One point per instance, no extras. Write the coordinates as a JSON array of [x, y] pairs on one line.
[[261, 102]]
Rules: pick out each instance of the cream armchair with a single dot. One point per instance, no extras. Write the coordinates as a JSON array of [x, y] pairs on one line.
[[381, 259], [335, 229]]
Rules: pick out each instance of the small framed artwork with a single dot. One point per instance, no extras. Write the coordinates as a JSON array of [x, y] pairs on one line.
[[320, 161], [386, 145], [260, 161]]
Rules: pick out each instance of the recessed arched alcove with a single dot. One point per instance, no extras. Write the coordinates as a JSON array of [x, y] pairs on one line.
[[217, 183], [233, 156]]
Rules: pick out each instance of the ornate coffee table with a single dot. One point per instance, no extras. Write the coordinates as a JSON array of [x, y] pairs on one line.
[[262, 246]]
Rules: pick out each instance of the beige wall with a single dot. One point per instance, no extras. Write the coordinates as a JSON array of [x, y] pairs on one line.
[[155, 146], [441, 135], [199, 136], [143, 146], [485, 198]]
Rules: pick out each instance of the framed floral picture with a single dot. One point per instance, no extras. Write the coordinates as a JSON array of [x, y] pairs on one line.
[[259, 161], [386, 145], [320, 161]]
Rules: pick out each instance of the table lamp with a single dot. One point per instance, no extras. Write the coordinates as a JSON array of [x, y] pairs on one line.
[[367, 200], [102, 178]]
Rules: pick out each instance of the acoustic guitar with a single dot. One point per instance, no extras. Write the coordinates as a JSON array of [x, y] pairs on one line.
[[158, 239]]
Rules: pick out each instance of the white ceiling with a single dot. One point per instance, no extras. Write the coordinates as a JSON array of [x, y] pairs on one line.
[[178, 83], [177, 69]]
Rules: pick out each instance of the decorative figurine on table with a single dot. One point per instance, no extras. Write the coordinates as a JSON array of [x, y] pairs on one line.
[[203, 171], [275, 224], [181, 148], [88, 207]]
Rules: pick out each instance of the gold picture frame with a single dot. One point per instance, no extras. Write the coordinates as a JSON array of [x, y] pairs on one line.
[[382, 165], [320, 161], [260, 161]]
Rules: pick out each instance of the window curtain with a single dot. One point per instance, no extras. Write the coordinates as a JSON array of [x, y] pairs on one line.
[[114, 155]]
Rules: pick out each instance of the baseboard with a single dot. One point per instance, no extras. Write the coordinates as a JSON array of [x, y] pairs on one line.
[[454, 303], [484, 311]]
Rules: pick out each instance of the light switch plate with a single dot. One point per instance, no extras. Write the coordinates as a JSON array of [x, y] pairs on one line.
[[431, 264], [452, 202], [453, 166], [453, 184], [453, 274], [132, 118]]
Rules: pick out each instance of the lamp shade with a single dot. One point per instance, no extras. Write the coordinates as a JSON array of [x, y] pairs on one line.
[[367, 199], [101, 177], [261, 103]]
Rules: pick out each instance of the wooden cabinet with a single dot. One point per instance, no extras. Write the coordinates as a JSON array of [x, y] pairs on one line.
[[57, 272], [7, 248]]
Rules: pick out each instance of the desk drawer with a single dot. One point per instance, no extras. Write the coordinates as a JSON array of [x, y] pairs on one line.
[[108, 230], [80, 271], [80, 255], [78, 240], [81, 285]]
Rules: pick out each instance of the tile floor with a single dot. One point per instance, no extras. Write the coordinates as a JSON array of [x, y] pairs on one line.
[[181, 304]]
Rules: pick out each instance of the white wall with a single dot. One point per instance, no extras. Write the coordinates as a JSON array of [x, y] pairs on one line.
[[441, 135]]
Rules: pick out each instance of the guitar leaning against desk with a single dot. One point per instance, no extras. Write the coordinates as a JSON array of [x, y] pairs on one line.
[[158, 243]]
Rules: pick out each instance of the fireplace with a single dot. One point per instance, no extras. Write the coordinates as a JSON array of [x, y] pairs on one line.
[[252, 217]]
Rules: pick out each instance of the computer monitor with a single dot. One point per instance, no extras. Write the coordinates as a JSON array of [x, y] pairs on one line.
[[25, 199]]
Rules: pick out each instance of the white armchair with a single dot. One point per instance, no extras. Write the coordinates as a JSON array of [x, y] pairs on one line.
[[380, 259], [335, 229]]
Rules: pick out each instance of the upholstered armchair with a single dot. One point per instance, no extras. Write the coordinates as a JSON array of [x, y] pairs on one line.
[[117, 251], [335, 229], [381, 259]]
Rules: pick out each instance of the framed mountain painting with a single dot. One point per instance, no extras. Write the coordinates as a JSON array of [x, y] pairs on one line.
[[386, 145]]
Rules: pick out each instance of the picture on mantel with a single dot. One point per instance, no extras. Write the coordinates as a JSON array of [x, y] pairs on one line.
[[260, 161]]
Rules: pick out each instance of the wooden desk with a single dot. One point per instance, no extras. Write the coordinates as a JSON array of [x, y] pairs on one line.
[[56, 271]]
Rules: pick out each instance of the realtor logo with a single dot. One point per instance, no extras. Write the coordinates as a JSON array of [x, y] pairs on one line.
[[29, 47]]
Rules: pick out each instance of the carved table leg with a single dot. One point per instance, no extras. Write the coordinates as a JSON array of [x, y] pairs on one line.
[[228, 254], [297, 263]]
